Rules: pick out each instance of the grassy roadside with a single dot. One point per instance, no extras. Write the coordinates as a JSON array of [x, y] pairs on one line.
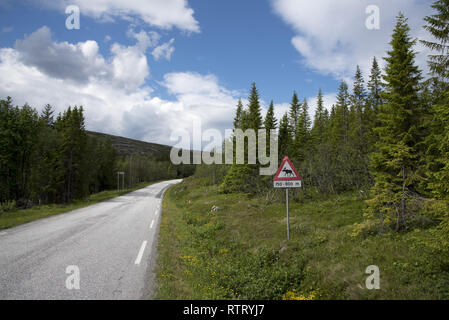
[[240, 251], [17, 217]]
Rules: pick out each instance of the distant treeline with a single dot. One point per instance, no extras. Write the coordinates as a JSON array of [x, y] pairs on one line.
[[44, 159], [387, 139]]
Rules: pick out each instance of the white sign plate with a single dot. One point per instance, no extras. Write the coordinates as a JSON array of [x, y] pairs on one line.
[[287, 184]]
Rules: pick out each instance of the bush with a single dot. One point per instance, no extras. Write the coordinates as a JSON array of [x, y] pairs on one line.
[[7, 206]]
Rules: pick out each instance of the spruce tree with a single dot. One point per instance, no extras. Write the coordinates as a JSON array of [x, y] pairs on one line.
[[395, 161], [375, 86], [438, 26], [244, 177], [438, 141], [285, 139], [270, 122], [302, 137], [341, 124], [238, 115], [358, 144], [254, 118], [47, 115], [320, 121], [293, 115]]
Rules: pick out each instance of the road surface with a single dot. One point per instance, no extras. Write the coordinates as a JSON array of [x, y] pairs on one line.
[[112, 245]]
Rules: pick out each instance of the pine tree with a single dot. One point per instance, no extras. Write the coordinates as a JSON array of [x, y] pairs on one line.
[[319, 158], [320, 121], [72, 165], [395, 161], [438, 27], [437, 142], [358, 148], [47, 115], [238, 115], [301, 143], [375, 87], [293, 116], [341, 124], [254, 118], [270, 122], [244, 177], [339, 140], [285, 139]]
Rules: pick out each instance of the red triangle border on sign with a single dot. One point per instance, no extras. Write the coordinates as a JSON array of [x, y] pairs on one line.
[[276, 177]]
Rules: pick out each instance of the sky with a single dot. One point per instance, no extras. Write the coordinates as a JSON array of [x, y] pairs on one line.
[[144, 69]]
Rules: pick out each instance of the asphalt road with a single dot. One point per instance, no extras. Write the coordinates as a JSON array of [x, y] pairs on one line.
[[112, 245]]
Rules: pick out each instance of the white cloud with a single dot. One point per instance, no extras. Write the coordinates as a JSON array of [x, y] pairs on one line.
[[332, 38], [164, 14], [130, 67], [165, 50], [117, 102], [63, 60], [82, 63], [202, 95], [144, 39]]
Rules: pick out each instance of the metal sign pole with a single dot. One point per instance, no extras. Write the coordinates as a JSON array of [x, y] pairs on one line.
[[288, 217], [287, 177]]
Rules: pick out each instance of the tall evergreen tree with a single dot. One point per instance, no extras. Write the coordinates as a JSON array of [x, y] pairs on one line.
[[47, 115], [254, 119], [270, 122], [341, 125], [320, 121], [437, 142], [301, 142], [285, 139], [243, 177], [438, 26], [375, 86], [395, 161], [238, 115], [72, 166], [359, 117], [293, 115]]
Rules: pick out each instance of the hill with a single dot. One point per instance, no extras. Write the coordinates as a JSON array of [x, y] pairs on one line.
[[126, 146]]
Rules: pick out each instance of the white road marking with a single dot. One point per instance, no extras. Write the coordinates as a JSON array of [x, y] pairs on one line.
[[152, 223], [3, 233], [142, 249]]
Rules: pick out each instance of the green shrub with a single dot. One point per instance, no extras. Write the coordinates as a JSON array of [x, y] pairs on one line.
[[7, 206]]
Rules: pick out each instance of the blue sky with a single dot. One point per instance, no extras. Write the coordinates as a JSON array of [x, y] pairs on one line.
[[145, 68]]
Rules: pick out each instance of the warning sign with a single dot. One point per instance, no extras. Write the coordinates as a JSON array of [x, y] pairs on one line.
[[287, 176]]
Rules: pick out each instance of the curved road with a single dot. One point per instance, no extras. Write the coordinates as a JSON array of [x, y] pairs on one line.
[[112, 245]]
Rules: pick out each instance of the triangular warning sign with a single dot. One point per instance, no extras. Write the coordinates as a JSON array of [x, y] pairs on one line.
[[287, 172]]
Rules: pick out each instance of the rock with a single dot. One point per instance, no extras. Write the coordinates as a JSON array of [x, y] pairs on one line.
[[215, 208], [282, 249]]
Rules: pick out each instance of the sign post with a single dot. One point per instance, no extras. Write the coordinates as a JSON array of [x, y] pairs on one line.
[[287, 177], [118, 180]]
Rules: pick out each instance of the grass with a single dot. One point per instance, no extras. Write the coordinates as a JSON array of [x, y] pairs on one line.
[[240, 251], [17, 217]]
